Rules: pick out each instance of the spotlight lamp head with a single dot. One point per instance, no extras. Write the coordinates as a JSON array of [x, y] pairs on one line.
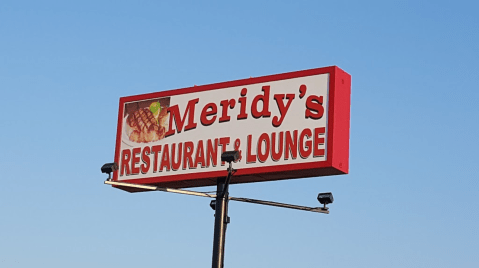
[[230, 156], [108, 168], [213, 204], [325, 198]]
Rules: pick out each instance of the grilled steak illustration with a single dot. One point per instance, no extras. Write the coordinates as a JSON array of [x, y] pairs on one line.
[[145, 126]]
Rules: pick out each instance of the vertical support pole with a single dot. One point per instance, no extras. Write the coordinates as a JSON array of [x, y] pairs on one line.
[[221, 220]]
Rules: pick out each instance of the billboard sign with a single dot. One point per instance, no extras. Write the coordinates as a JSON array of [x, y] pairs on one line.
[[285, 126]]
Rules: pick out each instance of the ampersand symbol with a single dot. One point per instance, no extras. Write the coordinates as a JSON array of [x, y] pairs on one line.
[[237, 146]]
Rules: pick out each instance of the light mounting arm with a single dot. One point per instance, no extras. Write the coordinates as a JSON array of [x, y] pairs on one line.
[[239, 199]]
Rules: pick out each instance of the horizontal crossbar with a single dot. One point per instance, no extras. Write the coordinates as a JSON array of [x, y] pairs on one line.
[[239, 199]]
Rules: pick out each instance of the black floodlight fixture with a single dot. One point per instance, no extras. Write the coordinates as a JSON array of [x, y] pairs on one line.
[[213, 204], [325, 198], [230, 156], [109, 168]]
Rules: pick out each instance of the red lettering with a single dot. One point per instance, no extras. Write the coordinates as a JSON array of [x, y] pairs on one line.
[[242, 101], [302, 91], [175, 165], [212, 153], [250, 158], [155, 150], [200, 154], [263, 154], [305, 148], [165, 159], [314, 105], [205, 113], [188, 155], [318, 141], [223, 142], [276, 156], [237, 148], [283, 109], [146, 160], [174, 112], [291, 145], [125, 161], [135, 159], [264, 98], [225, 104]]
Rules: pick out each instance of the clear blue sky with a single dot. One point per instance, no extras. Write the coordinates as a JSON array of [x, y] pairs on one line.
[[410, 200]]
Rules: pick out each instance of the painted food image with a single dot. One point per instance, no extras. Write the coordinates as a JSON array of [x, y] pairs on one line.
[[146, 124]]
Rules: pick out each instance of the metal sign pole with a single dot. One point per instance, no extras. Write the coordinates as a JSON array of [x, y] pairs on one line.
[[221, 202], [221, 221]]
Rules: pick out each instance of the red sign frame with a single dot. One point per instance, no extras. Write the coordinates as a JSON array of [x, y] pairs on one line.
[[338, 124]]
